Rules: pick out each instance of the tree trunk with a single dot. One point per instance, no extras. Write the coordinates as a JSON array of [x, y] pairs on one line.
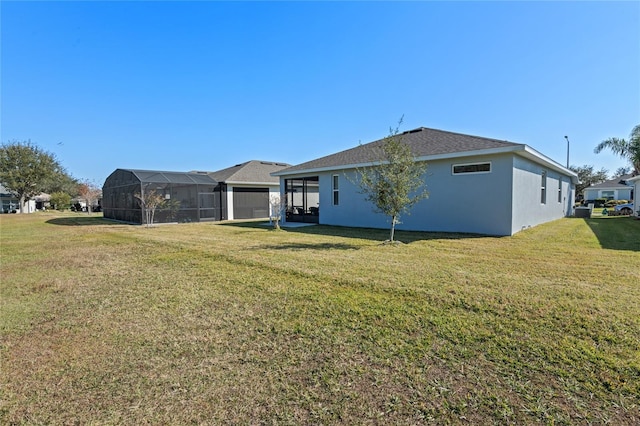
[[393, 228], [22, 201]]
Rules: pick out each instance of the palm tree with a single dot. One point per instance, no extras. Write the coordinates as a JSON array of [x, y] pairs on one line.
[[628, 149]]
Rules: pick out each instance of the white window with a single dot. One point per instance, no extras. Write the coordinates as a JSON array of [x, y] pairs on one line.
[[559, 190], [543, 188], [609, 195], [458, 169], [336, 195]]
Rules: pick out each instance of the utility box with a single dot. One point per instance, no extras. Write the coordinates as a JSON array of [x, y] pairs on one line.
[[583, 212]]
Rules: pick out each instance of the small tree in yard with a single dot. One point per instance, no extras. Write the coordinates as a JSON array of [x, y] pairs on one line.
[[149, 201], [90, 193], [395, 183], [60, 200], [278, 205]]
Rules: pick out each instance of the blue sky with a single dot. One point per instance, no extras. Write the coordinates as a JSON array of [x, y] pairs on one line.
[[206, 85]]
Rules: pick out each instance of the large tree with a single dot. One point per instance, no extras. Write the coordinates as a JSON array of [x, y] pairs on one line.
[[587, 176], [62, 182], [395, 182], [26, 169], [621, 171], [628, 149]]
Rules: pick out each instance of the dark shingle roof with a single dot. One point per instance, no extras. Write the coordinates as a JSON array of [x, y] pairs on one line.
[[253, 171], [619, 182], [422, 141]]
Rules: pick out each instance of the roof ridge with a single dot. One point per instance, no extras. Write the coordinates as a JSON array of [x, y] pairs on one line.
[[461, 134]]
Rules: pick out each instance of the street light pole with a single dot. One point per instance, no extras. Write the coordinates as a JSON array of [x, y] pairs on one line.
[[567, 138]]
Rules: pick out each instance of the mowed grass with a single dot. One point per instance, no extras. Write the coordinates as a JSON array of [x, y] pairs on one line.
[[105, 323]]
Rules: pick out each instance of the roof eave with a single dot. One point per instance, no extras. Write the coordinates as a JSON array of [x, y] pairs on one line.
[[534, 155], [231, 182], [520, 149]]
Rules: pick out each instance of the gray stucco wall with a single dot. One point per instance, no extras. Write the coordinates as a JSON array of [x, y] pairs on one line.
[[528, 208], [469, 203], [636, 201]]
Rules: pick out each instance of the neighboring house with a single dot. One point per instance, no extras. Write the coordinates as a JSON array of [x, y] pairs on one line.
[[248, 187], [11, 203], [615, 189], [190, 197], [635, 181], [238, 192], [476, 185]]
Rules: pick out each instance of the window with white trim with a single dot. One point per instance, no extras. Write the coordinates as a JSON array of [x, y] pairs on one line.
[[543, 188], [609, 195], [559, 189], [335, 187], [458, 169]]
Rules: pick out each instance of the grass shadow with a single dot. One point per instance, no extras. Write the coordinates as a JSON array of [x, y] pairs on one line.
[[372, 234], [303, 246], [82, 221], [616, 233]]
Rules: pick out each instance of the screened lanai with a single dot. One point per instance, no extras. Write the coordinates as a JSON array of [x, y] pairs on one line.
[[188, 197]]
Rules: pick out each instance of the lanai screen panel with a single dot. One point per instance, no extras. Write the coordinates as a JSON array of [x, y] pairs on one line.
[[181, 193], [250, 203], [118, 201]]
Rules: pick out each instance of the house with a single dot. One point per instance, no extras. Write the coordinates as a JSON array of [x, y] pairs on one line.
[[238, 192], [635, 181], [476, 185], [248, 187], [190, 197], [614, 189], [10, 203]]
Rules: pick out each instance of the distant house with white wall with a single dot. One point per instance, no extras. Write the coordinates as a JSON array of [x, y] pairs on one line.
[[10, 203], [476, 185], [635, 181], [619, 188]]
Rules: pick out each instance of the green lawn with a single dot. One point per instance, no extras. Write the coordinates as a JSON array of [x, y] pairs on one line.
[[105, 323]]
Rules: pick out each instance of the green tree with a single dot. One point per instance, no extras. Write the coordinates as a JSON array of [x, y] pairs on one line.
[[60, 200], [62, 182], [621, 171], [587, 176], [26, 169], [395, 182], [628, 149]]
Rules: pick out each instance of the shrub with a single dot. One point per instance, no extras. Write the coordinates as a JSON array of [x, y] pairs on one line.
[[60, 200]]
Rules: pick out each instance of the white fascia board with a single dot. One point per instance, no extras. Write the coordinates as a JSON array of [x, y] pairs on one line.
[[633, 179], [534, 155], [237, 183], [373, 163], [321, 169]]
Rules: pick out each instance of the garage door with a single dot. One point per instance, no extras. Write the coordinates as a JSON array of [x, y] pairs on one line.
[[250, 203]]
